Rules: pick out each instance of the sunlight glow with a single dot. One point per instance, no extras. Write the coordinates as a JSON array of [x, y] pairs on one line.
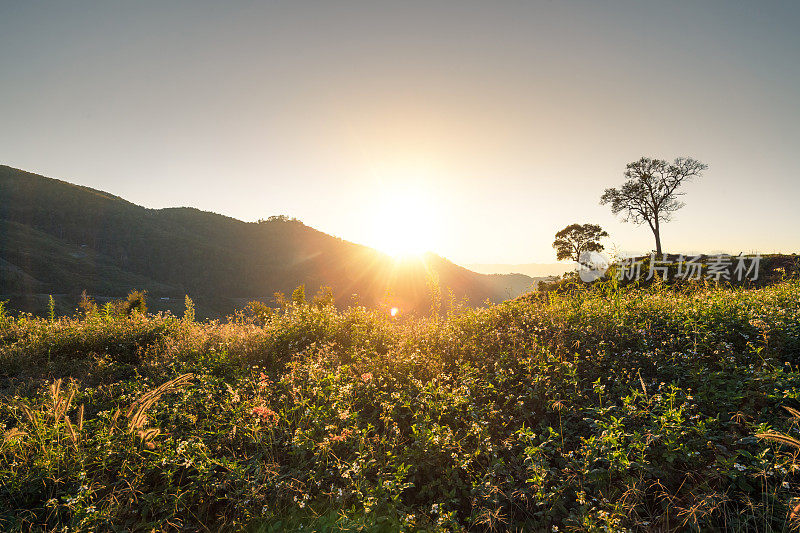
[[394, 311], [406, 220]]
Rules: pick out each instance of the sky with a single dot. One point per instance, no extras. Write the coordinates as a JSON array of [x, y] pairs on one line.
[[474, 129]]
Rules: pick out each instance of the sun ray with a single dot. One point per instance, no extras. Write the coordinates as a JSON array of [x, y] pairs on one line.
[[405, 221]]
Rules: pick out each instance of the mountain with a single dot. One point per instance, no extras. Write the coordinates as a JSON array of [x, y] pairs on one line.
[[60, 238], [534, 270]]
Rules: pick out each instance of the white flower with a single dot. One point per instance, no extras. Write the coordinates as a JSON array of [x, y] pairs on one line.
[[740, 468]]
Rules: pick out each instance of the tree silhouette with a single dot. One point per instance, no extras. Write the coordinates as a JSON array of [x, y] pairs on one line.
[[651, 191], [575, 239]]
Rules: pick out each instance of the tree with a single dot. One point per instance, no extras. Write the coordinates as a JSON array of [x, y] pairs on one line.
[[575, 239], [651, 191]]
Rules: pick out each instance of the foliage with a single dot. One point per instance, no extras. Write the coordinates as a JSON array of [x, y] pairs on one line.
[[575, 239], [87, 304], [135, 302], [650, 194], [299, 295], [324, 297], [51, 308], [256, 312], [607, 409], [285, 219], [434, 290], [669, 269], [188, 314]]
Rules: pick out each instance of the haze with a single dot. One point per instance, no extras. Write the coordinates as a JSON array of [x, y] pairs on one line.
[[498, 124]]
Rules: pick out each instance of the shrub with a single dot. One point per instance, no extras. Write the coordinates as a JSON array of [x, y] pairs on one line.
[[605, 409]]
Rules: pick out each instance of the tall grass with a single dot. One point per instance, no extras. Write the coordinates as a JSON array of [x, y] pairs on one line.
[[603, 409]]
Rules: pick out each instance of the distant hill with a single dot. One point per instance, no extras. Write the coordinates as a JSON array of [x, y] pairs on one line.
[[59, 238], [534, 270]]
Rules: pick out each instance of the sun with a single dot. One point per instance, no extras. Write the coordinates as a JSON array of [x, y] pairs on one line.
[[405, 221]]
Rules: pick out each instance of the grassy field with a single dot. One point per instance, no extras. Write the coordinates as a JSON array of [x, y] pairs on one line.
[[602, 410]]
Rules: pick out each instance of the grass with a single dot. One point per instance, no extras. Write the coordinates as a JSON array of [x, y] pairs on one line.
[[599, 410]]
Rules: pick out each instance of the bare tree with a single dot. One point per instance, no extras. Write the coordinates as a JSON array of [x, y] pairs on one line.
[[651, 191], [575, 239]]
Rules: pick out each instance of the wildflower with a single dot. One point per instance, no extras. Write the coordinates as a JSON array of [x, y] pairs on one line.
[[740, 468], [367, 376], [263, 381], [340, 438], [234, 395], [266, 414]]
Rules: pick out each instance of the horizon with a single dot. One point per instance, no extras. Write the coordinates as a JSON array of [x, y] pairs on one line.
[[471, 131], [534, 270]]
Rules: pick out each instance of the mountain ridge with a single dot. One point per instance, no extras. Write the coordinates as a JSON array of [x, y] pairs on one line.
[[59, 237]]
